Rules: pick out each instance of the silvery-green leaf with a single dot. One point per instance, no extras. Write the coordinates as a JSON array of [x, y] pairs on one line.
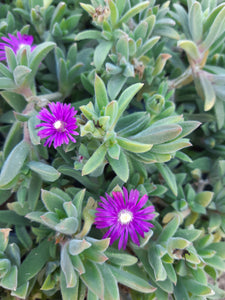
[[101, 53], [21, 75], [67, 268], [95, 160], [132, 12], [14, 163], [88, 34], [100, 92], [93, 279], [131, 280], [190, 48], [120, 166], [67, 226], [4, 238], [46, 172], [16, 101], [169, 230], [195, 22], [111, 291], [156, 263], [77, 246]]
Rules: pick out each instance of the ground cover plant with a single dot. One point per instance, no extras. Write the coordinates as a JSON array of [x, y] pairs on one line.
[[112, 149]]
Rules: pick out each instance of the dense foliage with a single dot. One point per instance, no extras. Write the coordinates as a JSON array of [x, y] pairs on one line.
[[112, 149]]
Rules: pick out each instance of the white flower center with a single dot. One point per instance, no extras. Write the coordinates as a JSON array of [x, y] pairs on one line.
[[125, 216], [22, 46], [58, 125]]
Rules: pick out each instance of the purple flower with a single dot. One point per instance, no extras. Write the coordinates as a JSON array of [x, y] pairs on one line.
[[15, 43], [59, 125], [125, 215]]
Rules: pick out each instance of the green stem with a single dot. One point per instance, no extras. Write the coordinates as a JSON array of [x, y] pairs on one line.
[[182, 80]]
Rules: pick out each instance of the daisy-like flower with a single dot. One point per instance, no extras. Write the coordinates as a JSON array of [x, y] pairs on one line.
[[59, 125], [15, 43], [125, 216]]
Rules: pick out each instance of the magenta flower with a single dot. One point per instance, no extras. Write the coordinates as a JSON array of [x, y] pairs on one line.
[[15, 43], [59, 125], [125, 215]]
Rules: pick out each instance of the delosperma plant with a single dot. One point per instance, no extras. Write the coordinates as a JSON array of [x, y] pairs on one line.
[[112, 126]]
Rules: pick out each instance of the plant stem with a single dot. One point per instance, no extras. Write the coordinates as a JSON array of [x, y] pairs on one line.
[[182, 80]]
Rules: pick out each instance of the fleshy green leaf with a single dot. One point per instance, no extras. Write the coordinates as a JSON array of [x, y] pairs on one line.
[[158, 134], [93, 279], [38, 54], [4, 238], [70, 209], [111, 110], [99, 245], [78, 246], [204, 198], [188, 127], [23, 236], [32, 122], [5, 71], [190, 48], [177, 243], [50, 219], [6, 83], [58, 13], [111, 291], [133, 146], [195, 22], [67, 226], [16, 101], [171, 147], [95, 256], [21, 291], [67, 268], [34, 191], [11, 58], [119, 258], [114, 13], [131, 280], [126, 97], [88, 34], [115, 85], [169, 230], [13, 138], [120, 166], [132, 12], [114, 151], [9, 281], [77, 263], [33, 262], [171, 273], [101, 53], [46, 172], [168, 176], [219, 112], [52, 201], [197, 288], [14, 163], [101, 93], [156, 263], [147, 46], [21, 75], [215, 30], [95, 160], [89, 8]]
